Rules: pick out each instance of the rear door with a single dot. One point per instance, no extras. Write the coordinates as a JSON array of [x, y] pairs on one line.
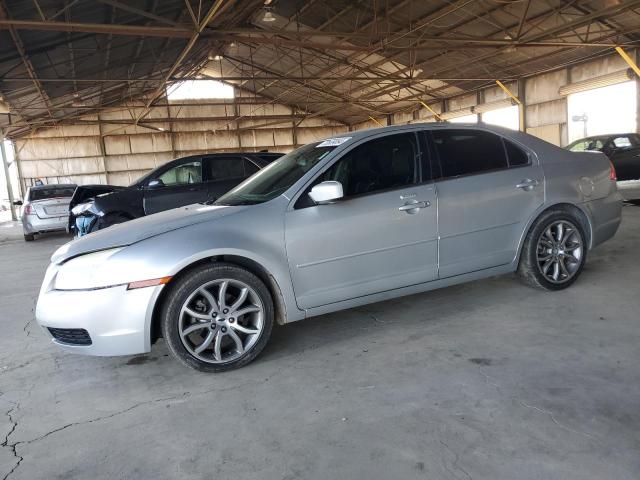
[[222, 173], [181, 185], [488, 189]]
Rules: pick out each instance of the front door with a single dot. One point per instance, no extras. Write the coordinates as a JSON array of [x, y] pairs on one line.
[[178, 186], [381, 236], [489, 189]]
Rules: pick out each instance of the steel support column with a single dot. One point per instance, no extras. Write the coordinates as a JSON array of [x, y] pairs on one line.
[[5, 165]]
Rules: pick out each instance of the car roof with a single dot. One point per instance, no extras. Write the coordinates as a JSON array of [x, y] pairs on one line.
[[608, 135], [53, 185]]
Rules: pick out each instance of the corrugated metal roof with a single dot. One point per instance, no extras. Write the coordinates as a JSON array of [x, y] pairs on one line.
[[344, 60]]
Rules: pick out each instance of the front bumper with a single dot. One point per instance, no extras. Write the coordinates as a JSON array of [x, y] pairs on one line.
[[117, 320], [34, 224]]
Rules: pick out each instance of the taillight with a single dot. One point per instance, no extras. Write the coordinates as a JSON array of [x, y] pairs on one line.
[[612, 172], [28, 210]]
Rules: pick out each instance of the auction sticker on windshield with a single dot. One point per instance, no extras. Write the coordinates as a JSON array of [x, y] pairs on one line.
[[333, 142]]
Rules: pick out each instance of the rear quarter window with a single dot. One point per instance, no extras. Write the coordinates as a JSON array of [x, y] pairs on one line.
[[516, 156]]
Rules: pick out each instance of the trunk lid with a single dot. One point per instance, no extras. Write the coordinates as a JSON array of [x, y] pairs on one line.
[[51, 207]]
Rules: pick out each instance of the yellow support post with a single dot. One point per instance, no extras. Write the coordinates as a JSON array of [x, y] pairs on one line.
[[438, 117], [629, 60], [508, 92], [376, 121]]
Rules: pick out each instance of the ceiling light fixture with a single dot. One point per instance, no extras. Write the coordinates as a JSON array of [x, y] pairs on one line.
[[268, 15]]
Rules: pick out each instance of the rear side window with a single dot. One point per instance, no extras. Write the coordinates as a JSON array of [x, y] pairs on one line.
[[224, 167], [54, 192], [465, 152], [515, 154]]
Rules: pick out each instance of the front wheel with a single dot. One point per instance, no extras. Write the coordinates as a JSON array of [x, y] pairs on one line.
[[217, 317], [554, 251]]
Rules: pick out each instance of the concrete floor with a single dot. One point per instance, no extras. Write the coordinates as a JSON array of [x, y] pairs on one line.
[[489, 380]]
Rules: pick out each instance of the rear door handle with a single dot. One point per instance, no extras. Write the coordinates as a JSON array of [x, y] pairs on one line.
[[527, 184], [413, 206]]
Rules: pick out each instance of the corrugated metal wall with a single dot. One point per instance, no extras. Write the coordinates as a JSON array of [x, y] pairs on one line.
[[111, 149]]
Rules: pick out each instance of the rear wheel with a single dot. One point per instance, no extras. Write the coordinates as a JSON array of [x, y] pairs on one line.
[[217, 317], [29, 237], [554, 251]]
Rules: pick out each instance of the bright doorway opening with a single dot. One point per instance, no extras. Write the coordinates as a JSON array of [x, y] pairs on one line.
[[604, 110]]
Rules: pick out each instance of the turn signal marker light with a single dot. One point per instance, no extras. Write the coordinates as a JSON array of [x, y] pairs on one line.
[[148, 283]]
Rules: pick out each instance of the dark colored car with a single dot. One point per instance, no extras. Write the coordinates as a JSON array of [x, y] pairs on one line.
[[187, 180], [623, 150]]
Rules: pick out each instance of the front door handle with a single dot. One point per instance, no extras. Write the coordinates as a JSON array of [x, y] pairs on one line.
[[413, 206], [527, 184]]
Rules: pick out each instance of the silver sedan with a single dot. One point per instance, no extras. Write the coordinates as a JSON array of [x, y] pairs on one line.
[[344, 222], [46, 209]]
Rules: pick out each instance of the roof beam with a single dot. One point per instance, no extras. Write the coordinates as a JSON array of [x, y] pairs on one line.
[[137, 11], [101, 28]]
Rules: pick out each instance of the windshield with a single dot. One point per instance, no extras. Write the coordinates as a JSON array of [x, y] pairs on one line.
[[53, 192], [277, 177]]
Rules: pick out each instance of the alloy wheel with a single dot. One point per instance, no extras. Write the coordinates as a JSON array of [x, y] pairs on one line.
[[221, 320], [559, 251]]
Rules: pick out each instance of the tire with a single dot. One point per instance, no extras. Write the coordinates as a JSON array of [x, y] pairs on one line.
[[108, 220], [29, 237], [189, 294], [542, 251]]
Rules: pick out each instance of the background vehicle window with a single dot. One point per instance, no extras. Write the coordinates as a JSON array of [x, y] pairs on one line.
[[578, 146], [249, 167], [463, 152], [224, 168], [387, 162], [622, 142], [53, 192], [515, 154], [183, 174]]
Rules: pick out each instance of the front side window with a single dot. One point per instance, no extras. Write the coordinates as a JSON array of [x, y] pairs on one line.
[[183, 174], [277, 177], [380, 164], [465, 152], [579, 146]]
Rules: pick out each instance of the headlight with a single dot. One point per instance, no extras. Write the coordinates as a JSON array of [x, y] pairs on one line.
[[81, 208], [84, 272]]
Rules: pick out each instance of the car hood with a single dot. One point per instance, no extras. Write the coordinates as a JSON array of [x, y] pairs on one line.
[[142, 228]]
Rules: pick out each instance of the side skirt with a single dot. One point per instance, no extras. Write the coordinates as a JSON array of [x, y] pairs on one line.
[[411, 290]]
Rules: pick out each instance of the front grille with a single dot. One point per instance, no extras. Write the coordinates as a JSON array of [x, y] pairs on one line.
[[71, 336]]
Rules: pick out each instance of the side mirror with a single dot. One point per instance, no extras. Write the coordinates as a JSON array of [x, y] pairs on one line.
[[153, 184], [18, 203], [326, 192]]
